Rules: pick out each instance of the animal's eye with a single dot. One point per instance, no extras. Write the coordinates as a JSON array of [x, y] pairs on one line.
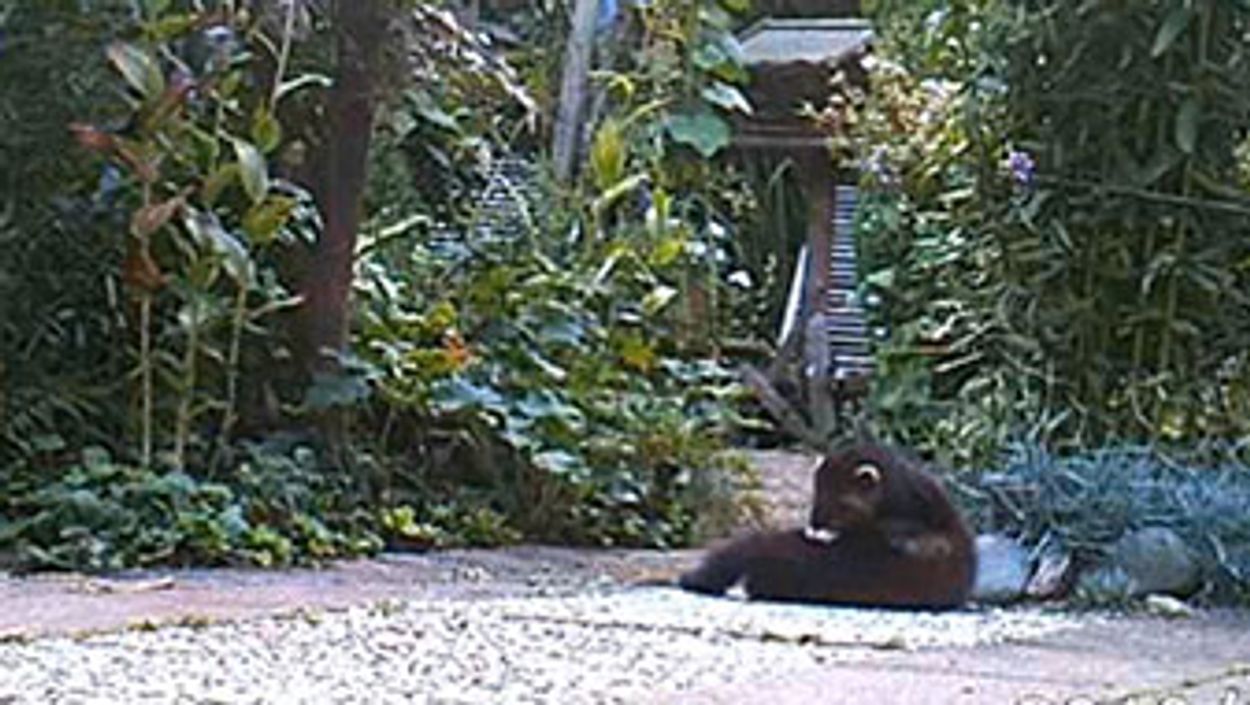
[[867, 475]]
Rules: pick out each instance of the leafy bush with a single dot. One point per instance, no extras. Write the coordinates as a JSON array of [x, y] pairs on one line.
[[563, 369], [552, 391]]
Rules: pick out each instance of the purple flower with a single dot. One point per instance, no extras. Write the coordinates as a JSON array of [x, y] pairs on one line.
[[219, 35], [1022, 167], [877, 165]]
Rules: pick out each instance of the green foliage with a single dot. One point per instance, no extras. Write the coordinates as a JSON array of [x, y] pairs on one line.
[[1085, 502], [447, 525], [554, 391], [58, 370], [172, 238], [1134, 228], [1053, 223], [276, 508], [562, 382], [928, 134], [562, 370]]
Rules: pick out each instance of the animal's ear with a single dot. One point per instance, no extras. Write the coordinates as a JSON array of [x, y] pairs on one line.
[[867, 475]]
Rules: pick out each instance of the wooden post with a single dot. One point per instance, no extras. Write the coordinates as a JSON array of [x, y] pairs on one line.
[[818, 173], [577, 56], [818, 169]]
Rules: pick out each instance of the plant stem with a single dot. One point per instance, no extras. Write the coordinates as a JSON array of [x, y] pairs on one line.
[[232, 364], [183, 430], [284, 55], [145, 350]]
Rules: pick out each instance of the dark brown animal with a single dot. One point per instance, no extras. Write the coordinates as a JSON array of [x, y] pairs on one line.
[[882, 532]]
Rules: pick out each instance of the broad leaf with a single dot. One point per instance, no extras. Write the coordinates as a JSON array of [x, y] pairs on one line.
[[252, 170], [208, 233], [608, 155], [266, 130], [150, 218], [657, 299], [263, 220], [138, 69], [728, 97], [1173, 26], [706, 132]]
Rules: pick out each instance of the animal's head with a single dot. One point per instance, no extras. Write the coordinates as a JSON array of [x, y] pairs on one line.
[[866, 483]]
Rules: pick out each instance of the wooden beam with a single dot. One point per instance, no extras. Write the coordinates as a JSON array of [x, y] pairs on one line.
[[818, 170], [785, 414]]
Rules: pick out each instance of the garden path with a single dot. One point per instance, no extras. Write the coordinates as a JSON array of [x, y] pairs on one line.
[[557, 625]]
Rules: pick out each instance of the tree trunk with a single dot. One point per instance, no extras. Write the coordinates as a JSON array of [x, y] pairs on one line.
[[577, 57], [338, 183]]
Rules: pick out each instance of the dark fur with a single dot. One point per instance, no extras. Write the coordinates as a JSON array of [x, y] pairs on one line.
[[899, 543]]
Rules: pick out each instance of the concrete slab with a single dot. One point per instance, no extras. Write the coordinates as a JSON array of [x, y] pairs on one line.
[[1131, 660]]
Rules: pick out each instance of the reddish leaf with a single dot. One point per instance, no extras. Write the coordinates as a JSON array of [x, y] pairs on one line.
[[151, 218], [92, 137]]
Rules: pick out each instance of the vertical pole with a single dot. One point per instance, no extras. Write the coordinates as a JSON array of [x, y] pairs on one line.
[[818, 170], [577, 57]]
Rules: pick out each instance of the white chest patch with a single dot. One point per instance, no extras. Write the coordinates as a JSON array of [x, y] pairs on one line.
[[825, 536]]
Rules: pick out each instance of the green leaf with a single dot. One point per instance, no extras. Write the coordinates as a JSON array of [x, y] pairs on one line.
[[266, 130], [168, 27], [728, 97], [667, 251], [1173, 26], [263, 220], [48, 443], [709, 55], [433, 112], [330, 390], [608, 155], [706, 132], [217, 182], [458, 393], [1187, 125], [558, 462], [95, 457], [208, 233], [154, 8], [618, 191], [657, 299], [252, 170], [137, 68]]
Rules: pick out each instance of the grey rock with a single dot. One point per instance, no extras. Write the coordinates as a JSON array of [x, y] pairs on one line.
[[1002, 569], [1156, 560]]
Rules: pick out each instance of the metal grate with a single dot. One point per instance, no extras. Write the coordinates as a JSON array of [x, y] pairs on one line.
[[850, 354]]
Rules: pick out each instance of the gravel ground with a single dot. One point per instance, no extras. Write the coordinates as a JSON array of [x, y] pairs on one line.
[[625, 646]]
